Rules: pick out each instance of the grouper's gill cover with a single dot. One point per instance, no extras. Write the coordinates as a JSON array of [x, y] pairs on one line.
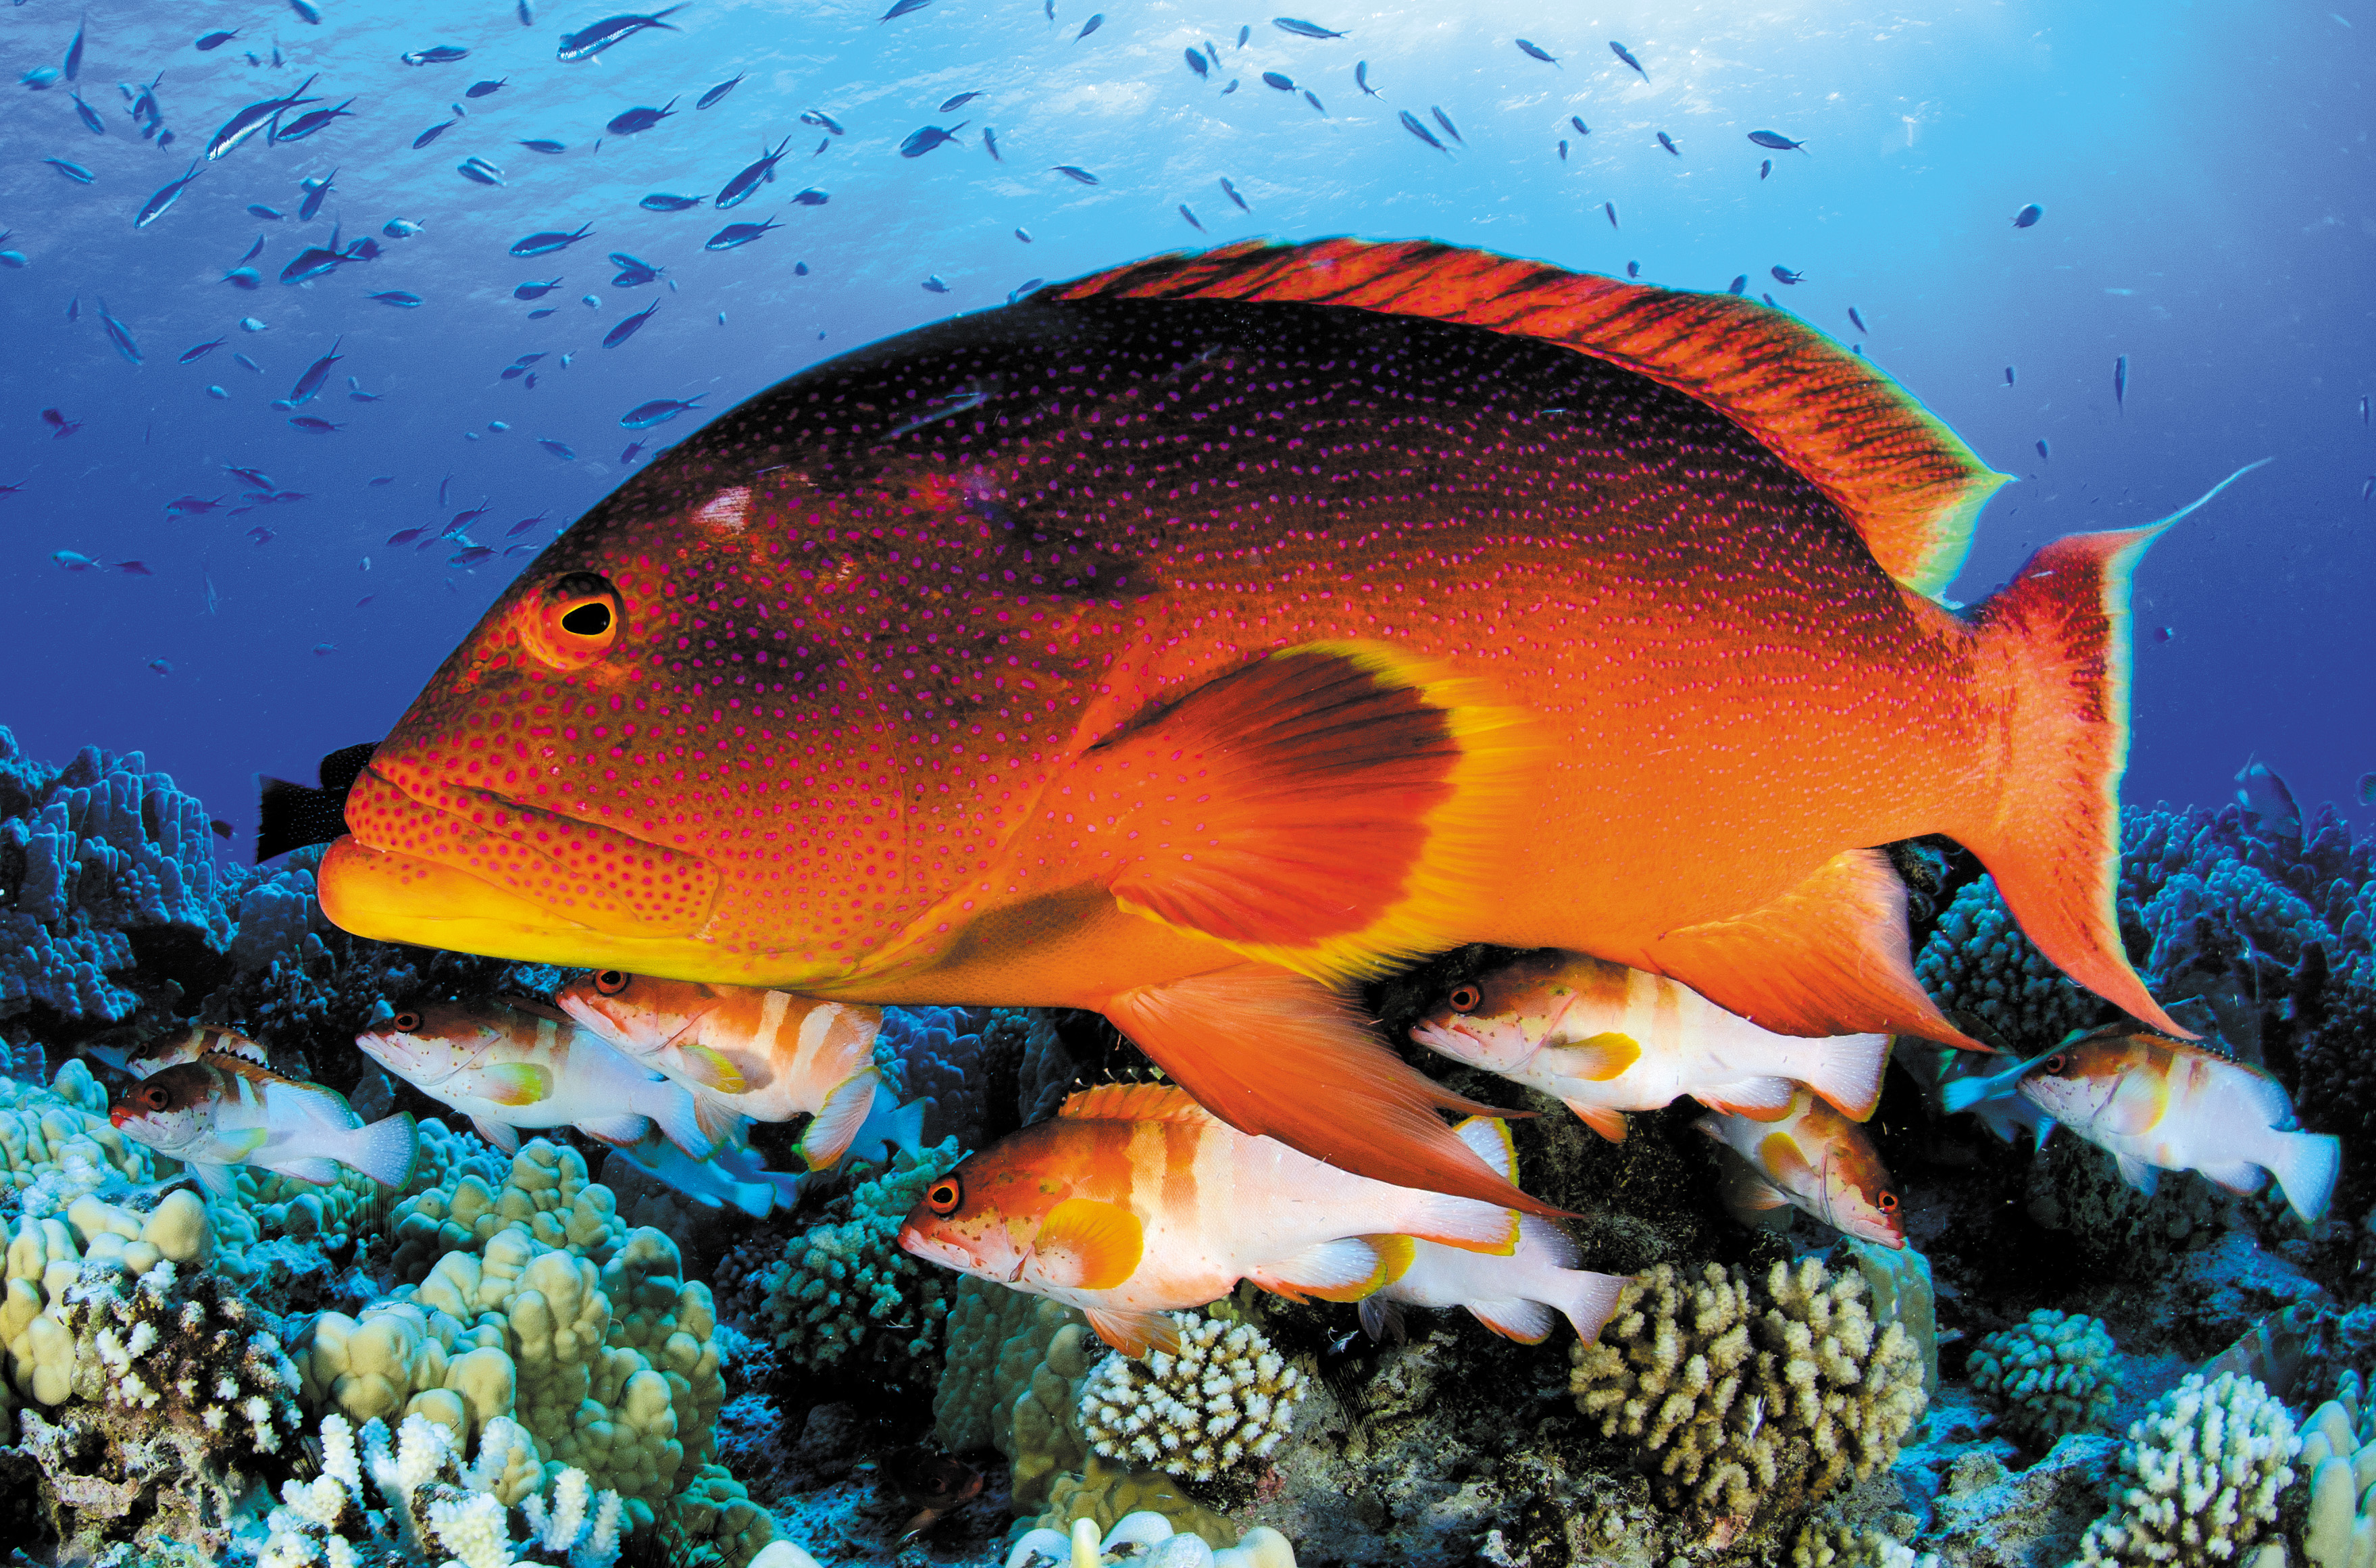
[[1179, 640]]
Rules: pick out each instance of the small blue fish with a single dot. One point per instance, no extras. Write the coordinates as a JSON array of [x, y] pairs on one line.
[[2121, 383], [119, 335], [549, 241], [1784, 274], [482, 89], [1668, 143], [200, 351], [1244, 33], [627, 123], [1302, 29], [315, 190], [990, 144], [1192, 217], [735, 234], [1361, 79], [2265, 796], [215, 40], [924, 140], [633, 273], [400, 227], [559, 449], [244, 362], [219, 394], [1563, 149], [307, 12], [820, 118], [1739, 284], [812, 197], [902, 8], [74, 172], [442, 55], [1314, 99], [314, 120], [1538, 51], [1075, 173], [1778, 141], [1412, 123], [71, 64], [315, 261], [1095, 22], [718, 94], [1581, 128], [254, 118], [89, 115], [2043, 451], [545, 146], [738, 189], [660, 202], [536, 290], [432, 132], [312, 426], [243, 278], [40, 78], [479, 170], [951, 104], [660, 411], [1283, 82], [590, 41], [269, 214], [2028, 216], [1765, 167], [1196, 63], [934, 285], [399, 298], [1633, 269], [1610, 208], [470, 557], [1858, 320], [1231, 192], [1024, 234], [1449, 128], [1627, 55]]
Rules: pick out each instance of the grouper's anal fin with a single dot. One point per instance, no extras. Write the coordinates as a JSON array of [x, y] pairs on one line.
[[1278, 1055], [1829, 956]]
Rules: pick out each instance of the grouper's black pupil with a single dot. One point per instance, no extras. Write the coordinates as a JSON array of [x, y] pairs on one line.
[[588, 620]]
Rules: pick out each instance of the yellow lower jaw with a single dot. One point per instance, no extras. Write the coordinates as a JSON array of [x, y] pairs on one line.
[[398, 898]]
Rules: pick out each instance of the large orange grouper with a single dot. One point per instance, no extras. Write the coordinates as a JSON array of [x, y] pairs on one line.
[[1188, 639]]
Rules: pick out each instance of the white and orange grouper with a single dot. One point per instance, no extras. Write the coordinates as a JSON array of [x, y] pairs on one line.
[[743, 1051], [1605, 1039], [1810, 1158], [1514, 1295], [1134, 1200], [224, 1108]]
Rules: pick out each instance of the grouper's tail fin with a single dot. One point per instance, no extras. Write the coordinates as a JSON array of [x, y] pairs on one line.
[[2055, 643]]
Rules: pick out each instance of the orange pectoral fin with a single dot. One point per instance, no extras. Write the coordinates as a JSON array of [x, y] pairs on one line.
[[1610, 1124], [1276, 1055], [1086, 1245], [1134, 1333], [1325, 810], [1827, 958]]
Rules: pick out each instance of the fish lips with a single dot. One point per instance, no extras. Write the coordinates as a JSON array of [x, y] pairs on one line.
[[461, 867]]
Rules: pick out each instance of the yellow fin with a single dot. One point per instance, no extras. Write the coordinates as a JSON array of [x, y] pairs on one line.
[[712, 1071], [1778, 1156], [515, 1083], [1088, 1245], [1595, 1060]]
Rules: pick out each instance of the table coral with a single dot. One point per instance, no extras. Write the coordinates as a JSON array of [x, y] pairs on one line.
[[1227, 1398], [1747, 1398], [2198, 1478], [2046, 1377]]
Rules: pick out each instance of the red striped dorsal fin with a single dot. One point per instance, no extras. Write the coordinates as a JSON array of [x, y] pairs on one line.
[[223, 1042], [239, 1064], [1911, 488], [1133, 1102]]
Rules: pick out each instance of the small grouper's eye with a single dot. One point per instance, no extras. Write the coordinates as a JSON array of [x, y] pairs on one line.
[[945, 1195], [575, 619]]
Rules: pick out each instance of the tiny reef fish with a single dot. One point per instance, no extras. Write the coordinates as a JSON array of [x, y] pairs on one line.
[[506, 1064], [1605, 1039], [1133, 1200], [225, 1107], [743, 1051], [1810, 1158]]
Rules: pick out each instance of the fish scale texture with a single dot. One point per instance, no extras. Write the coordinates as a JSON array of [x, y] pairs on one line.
[[2199, 1480]]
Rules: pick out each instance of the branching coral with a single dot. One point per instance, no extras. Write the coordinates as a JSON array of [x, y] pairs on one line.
[[1744, 1395], [2198, 1478], [1227, 1398], [2049, 1375], [845, 1290], [1843, 1546]]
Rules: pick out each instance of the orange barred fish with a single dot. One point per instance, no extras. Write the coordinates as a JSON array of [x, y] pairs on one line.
[[1812, 1158], [1134, 1200], [223, 1107], [743, 1051], [1190, 638]]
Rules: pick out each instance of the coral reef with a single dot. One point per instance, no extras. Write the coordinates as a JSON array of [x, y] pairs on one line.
[[2049, 1375], [1845, 1546], [2338, 1530], [2199, 1480], [1147, 1539], [1745, 1397], [1225, 1399]]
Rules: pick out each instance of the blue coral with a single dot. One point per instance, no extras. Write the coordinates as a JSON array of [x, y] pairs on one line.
[[933, 1052]]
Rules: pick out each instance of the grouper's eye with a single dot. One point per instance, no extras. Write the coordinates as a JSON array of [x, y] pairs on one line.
[[1467, 999], [405, 1022], [577, 619], [945, 1195], [155, 1098], [609, 982]]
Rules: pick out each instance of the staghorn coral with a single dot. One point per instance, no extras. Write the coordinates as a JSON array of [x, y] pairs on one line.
[[432, 1502], [1226, 1399], [2199, 1480], [844, 1291], [1747, 1398], [2046, 1377]]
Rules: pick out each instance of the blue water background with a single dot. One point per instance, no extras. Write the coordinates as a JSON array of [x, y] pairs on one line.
[[2210, 212]]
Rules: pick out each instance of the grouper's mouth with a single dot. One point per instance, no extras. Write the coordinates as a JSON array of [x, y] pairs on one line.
[[463, 868]]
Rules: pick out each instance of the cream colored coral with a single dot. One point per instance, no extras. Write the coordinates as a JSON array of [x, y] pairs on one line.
[[1844, 1546], [2338, 1456], [1227, 1398], [2198, 1478], [46, 1256], [546, 1195]]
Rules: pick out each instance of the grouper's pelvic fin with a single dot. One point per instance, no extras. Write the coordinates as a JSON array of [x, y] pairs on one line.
[[1278, 1055], [2055, 643]]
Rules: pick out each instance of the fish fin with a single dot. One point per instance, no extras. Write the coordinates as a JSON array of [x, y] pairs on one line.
[[626, 1127], [1596, 1060], [1133, 1102], [1396, 1253], [1343, 1270], [1529, 1323], [216, 1178], [1847, 1071], [2237, 1176], [1490, 1136], [1134, 1332], [2144, 1178], [287, 1101], [1752, 1200], [1278, 1055], [1787, 1164], [1588, 1300], [1963, 1094], [318, 1169], [1910, 489], [1610, 1124], [2055, 644], [1758, 1100], [672, 1109], [887, 1126], [515, 1083], [839, 1118], [1827, 958], [502, 1135], [386, 1150], [2305, 1165], [718, 1117], [709, 1069], [1088, 1245], [1345, 797], [1382, 1319]]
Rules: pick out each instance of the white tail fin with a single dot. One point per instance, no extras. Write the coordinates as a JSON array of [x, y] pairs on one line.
[[1845, 1071], [2306, 1165], [1589, 1299], [384, 1150], [671, 1107]]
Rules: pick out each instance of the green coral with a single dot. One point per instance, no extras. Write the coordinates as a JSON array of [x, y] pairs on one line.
[[992, 1335], [546, 1191], [2198, 1478], [1746, 1397], [846, 1287], [2048, 1376]]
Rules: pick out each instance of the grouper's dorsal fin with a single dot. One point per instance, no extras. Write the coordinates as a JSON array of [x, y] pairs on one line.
[[1133, 1102], [1911, 489]]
